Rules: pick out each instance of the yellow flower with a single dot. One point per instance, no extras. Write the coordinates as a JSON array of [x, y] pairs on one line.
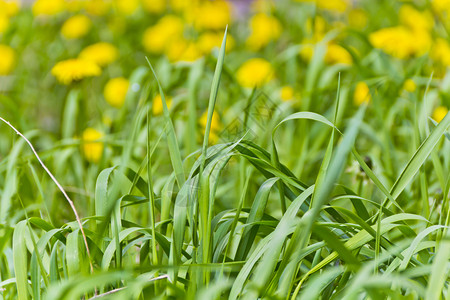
[[440, 52], [357, 18], [159, 36], [48, 7], [212, 15], [441, 5], [439, 113], [400, 41], [415, 19], [286, 93], [361, 94], [68, 71], [157, 107], [154, 6], [126, 7], [333, 5], [4, 23], [100, 53], [92, 148], [97, 7], [8, 59], [337, 55], [264, 29], [74, 5], [409, 85], [9, 8], [215, 121], [182, 50], [209, 40], [76, 27], [254, 72], [115, 91]]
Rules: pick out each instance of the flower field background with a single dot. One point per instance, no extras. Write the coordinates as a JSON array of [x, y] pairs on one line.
[[259, 149]]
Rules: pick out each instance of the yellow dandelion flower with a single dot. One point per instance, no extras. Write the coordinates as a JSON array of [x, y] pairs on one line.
[[439, 113], [8, 59], [182, 50], [286, 93], [100, 53], [75, 5], [9, 8], [157, 106], [4, 23], [159, 36], [115, 91], [210, 40], [48, 7], [71, 70], [254, 72], [126, 7], [154, 6], [97, 7], [440, 52], [215, 121], [441, 5], [332, 5], [337, 54], [400, 41], [264, 29], [92, 148], [212, 15], [361, 94], [76, 27], [409, 85], [414, 19]]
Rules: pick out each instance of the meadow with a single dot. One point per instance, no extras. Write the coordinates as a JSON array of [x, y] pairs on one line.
[[174, 149]]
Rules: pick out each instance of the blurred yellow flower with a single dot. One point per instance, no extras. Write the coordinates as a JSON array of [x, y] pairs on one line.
[[159, 36], [71, 70], [400, 41], [254, 72], [212, 15], [209, 40], [100, 53], [361, 94], [337, 54], [439, 113], [154, 6], [215, 121], [333, 5], [48, 7], [92, 148], [115, 91], [409, 85], [4, 23], [264, 29], [75, 5], [441, 5], [182, 50], [76, 27], [7, 59], [9, 8], [286, 93], [157, 107], [414, 19], [126, 7], [97, 7], [440, 52]]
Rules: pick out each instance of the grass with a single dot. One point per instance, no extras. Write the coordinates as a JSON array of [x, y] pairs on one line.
[[345, 204]]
